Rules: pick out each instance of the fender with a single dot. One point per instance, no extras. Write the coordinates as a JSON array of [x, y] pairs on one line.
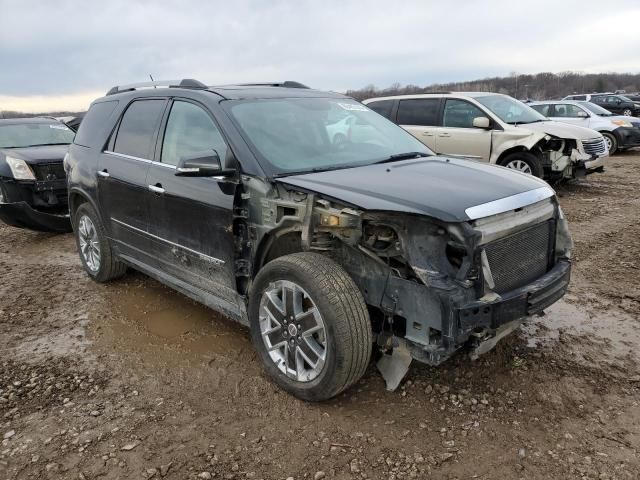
[[501, 141], [72, 205]]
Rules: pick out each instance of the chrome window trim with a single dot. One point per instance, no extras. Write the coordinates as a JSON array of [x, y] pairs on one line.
[[208, 258], [144, 160], [509, 203]]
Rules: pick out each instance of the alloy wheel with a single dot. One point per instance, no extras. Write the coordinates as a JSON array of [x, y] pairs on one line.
[[627, 113], [608, 143], [293, 331], [519, 165], [89, 243]]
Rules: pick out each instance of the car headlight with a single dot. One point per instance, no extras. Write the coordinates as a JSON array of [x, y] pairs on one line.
[[20, 169], [622, 123]]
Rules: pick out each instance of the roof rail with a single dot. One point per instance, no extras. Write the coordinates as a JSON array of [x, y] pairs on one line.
[[184, 83], [285, 84]]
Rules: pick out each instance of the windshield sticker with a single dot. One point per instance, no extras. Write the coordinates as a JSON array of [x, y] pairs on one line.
[[354, 107], [59, 127]]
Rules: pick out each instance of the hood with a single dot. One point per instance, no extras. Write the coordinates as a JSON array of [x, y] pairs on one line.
[[33, 155], [561, 130], [444, 188]]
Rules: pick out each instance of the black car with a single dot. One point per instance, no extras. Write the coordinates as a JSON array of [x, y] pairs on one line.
[[33, 186], [237, 197], [617, 104]]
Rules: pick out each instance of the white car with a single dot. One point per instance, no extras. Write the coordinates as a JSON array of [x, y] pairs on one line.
[[351, 129], [619, 131], [498, 129]]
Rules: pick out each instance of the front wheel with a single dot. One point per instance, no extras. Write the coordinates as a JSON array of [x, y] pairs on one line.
[[627, 112], [611, 142], [310, 326], [524, 162], [94, 247]]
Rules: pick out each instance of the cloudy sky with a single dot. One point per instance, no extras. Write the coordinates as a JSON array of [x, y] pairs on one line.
[[62, 54]]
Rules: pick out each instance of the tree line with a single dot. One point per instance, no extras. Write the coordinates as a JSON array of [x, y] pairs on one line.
[[539, 86]]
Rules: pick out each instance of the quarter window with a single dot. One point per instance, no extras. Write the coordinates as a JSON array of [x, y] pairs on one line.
[[419, 111], [190, 130], [460, 114], [136, 135]]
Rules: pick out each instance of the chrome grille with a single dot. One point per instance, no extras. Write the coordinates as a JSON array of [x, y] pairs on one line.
[[49, 171], [520, 258], [594, 146]]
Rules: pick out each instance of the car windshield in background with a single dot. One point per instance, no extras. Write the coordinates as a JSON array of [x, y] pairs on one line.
[[297, 135], [34, 134], [510, 110], [597, 109]]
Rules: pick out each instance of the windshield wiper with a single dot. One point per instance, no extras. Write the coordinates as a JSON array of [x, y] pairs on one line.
[[402, 156]]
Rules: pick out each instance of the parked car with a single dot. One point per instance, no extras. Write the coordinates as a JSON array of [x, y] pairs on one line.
[[497, 129], [237, 197], [619, 104], [619, 132], [33, 187]]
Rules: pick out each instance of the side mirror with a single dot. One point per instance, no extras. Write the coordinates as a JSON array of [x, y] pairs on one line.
[[582, 115], [201, 164], [481, 122]]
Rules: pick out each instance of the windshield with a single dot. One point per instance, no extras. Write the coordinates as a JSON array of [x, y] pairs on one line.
[[297, 135], [597, 109], [31, 134], [624, 99], [510, 110]]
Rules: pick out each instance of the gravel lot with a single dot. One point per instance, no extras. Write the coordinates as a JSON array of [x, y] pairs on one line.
[[133, 380]]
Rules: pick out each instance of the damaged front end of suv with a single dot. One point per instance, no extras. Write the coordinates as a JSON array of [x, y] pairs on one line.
[[434, 280]]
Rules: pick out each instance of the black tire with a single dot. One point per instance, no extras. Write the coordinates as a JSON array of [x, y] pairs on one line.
[[529, 158], [614, 142], [110, 267], [345, 317]]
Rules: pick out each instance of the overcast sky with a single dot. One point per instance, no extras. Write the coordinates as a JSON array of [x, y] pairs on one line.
[[62, 54]]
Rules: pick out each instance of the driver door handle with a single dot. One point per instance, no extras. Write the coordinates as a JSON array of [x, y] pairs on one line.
[[157, 189], [444, 135], [104, 173]]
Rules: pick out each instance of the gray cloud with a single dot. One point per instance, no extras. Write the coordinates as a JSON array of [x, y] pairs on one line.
[[62, 47]]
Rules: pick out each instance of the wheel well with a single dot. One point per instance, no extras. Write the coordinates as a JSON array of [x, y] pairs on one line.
[[512, 150], [75, 200], [276, 245]]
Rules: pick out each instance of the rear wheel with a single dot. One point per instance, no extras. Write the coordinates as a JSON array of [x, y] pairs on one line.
[[627, 112], [524, 162], [94, 247], [611, 142], [309, 325]]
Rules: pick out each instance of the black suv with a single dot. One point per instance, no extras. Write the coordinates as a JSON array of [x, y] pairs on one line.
[[242, 198], [33, 187], [617, 104]]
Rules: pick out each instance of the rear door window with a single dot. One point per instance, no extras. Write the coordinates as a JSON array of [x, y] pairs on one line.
[[419, 111], [137, 133], [383, 107], [567, 111], [543, 109], [460, 114]]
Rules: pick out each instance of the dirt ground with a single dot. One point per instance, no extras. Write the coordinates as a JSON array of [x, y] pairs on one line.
[[133, 380]]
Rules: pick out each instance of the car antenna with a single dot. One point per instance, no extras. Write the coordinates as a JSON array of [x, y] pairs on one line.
[[152, 80]]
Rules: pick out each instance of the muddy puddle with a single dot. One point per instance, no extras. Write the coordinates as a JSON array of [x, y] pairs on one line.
[[615, 333], [155, 320]]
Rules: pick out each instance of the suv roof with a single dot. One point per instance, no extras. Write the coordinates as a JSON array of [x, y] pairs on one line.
[[286, 89]]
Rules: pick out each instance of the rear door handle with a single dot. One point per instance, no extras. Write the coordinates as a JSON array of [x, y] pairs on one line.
[[104, 173], [157, 188], [444, 135], [427, 134]]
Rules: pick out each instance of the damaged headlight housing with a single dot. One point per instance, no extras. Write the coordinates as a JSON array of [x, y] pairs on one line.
[[20, 169]]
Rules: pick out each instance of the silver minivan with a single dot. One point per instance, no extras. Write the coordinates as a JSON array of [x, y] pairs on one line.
[[497, 129]]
